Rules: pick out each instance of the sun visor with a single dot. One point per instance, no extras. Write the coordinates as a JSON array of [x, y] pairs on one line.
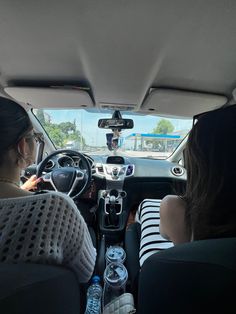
[[180, 103], [40, 97]]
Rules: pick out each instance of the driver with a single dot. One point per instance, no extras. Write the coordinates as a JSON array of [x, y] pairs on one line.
[[42, 228]]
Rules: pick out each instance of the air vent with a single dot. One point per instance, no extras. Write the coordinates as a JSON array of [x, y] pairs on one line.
[[93, 169], [100, 168], [50, 164], [177, 171], [130, 170]]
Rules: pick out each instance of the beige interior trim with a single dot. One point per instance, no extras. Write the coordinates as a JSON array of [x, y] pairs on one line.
[[40, 97], [178, 103]]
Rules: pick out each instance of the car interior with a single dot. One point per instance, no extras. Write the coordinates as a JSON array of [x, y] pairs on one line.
[[98, 78]]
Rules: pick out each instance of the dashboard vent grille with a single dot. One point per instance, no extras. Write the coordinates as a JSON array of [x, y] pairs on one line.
[[177, 171], [93, 169], [129, 170], [100, 168]]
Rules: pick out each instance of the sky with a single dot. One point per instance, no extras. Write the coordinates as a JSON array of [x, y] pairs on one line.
[[86, 123]]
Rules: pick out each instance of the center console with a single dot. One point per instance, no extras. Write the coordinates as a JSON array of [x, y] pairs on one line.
[[113, 211]]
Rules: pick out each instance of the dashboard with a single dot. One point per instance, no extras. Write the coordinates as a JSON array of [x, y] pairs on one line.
[[115, 166], [138, 167], [139, 177]]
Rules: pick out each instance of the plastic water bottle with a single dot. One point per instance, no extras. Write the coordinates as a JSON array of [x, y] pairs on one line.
[[94, 297]]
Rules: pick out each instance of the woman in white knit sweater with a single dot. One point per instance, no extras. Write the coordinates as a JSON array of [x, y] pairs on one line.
[[40, 228]]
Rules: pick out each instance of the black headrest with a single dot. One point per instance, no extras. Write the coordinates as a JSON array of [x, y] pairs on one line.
[[35, 288], [196, 277]]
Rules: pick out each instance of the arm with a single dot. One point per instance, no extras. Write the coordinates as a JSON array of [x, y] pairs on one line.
[[172, 219]]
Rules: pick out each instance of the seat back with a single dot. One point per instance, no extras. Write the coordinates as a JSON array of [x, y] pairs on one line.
[[35, 288], [196, 277], [132, 243]]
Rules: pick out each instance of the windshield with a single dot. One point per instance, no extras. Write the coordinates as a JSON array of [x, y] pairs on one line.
[[77, 129]]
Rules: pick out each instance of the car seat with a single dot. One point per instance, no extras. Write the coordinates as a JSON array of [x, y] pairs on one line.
[[195, 277], [27, 288], [35, 288]]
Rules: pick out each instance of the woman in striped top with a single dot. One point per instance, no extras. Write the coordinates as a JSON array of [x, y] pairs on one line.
[[207, 210]]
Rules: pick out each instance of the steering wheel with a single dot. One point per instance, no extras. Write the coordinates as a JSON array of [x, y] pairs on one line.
[[67, 179]]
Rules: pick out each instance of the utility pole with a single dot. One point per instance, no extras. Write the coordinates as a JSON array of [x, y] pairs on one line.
[[81, 132]]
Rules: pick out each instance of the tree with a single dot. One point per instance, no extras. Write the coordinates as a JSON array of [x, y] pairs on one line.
[[60, 133], [67, 127], [55, 134], [163, 127], [40, 116]]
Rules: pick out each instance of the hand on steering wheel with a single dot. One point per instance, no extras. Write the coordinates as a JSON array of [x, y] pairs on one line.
[[67, 179]]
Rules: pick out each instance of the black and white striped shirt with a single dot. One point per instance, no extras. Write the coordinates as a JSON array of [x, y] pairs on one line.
[[148, 215]]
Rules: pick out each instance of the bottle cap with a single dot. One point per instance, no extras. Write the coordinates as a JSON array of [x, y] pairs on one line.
[[95, 279], [115, 274], [115, 254]]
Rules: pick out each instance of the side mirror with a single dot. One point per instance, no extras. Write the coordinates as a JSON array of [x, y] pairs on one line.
[[115, 123]]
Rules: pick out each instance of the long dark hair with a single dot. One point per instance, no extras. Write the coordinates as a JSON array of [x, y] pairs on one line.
[[211, 169], [14, 124]]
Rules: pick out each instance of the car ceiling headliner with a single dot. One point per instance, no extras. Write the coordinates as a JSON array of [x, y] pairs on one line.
[[120, 49]]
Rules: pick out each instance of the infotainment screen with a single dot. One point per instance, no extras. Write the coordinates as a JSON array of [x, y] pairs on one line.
[[118, 160]]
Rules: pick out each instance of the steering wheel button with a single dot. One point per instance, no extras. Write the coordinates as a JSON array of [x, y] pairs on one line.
[[80, 174]]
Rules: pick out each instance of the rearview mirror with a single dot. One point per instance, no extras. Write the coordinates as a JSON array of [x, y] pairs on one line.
[[115, 123]]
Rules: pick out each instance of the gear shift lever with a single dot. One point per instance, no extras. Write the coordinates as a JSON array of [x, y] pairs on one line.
[[112, 200], [112, 217]]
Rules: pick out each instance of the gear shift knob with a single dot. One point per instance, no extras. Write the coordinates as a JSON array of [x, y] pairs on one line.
[[112, 199]]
